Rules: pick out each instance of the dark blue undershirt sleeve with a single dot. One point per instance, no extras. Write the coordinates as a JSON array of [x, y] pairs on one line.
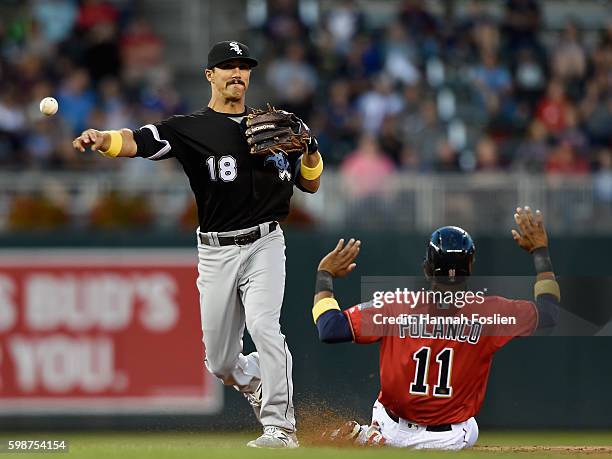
[[548, 310], [333, 327]]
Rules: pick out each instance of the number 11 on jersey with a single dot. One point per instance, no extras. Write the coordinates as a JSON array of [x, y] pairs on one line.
[[444, 358]]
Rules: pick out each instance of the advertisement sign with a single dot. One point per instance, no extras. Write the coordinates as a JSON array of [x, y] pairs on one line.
[[102, 331]]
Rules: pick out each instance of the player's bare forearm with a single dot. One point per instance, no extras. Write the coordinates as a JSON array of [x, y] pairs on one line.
[[331, 323], [531, 237], [321, 295], [102, 141], [310, 185], [547, 275], [337, 263], [311, 161], [129, 146]]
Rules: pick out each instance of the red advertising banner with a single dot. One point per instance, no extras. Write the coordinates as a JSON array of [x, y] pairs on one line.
[[102, 331]]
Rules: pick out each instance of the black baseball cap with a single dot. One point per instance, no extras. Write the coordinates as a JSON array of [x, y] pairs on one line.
[[229, 50]]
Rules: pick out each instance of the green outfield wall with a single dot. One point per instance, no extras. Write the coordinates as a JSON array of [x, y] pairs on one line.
[[536, 382]]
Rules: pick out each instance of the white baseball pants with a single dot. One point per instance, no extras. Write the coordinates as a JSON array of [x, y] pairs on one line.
[[403, 434]]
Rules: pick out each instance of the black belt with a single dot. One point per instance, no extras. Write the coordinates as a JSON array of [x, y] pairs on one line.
[[239, 239], [438, 428]]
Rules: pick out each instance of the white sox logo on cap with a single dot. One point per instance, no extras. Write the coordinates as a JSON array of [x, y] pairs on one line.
[[227, 51], [234, 47]]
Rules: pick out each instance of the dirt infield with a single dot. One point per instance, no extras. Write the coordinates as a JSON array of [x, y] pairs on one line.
[[547, 449]]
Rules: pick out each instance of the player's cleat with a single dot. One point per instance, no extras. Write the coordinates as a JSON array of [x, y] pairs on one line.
[[372, 436], [255, 399], [274, 437], [347, 433]]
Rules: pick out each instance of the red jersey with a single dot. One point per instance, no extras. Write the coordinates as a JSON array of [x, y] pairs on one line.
[[432, 372]]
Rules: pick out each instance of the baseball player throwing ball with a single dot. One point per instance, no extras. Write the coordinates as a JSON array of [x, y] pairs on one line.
[[242, 165], [433, 376]]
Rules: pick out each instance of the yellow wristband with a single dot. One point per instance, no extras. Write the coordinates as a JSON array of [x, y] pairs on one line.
[[312, 173], [322, 306], [547, 286], [115, 145]]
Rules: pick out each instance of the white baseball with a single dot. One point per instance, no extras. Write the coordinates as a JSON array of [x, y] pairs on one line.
[[48, 106]]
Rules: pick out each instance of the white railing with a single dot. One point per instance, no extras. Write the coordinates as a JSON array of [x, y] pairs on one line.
[[482, 203]]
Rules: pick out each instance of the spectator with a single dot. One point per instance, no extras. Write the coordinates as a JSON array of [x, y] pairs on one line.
[[12, 118], [602, 54], [530, 78], [569, 59], [486, 36], [491, 81], [572, 132], [36, 43], [12, 124], [283, 22], [364, 170], [365, 59], [117, 113], [447, 159], [521, 24], [294, 80], [39, 144], [94, 12], [532, 152], [463, 46], [379, 102], [596, 109], [424, 131], [343, 22], [487, 156], [141, 50], [409, 159], [602, 181], [29, 69], [564, 160], [77, 100], [401, 55], [101, 53], [56, 18], [416, 19], [341, 120], [389, 139], [552, 108]]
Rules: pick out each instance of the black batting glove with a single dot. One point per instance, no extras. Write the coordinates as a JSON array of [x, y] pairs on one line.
[[312, 146]]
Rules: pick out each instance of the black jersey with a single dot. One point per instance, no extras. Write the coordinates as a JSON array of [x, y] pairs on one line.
[[233, 188]]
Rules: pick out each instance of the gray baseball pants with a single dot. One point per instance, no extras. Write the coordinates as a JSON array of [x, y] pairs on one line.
[[244, 285]]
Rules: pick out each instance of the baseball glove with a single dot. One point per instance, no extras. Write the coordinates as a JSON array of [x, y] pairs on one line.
[[269, 131]]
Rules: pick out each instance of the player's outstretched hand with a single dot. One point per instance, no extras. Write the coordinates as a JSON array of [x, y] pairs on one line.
[[339, 262], [531, 234], [90, 137]]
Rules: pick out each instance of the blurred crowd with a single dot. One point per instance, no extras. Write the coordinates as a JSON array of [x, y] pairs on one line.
[[101, 60], [483, 89], [457, 92], [423, 92]]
